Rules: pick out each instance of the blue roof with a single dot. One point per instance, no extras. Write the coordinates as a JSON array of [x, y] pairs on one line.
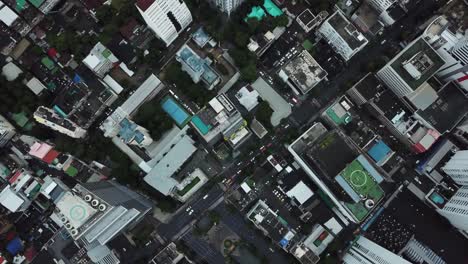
[[347, 188], [127, 130], [200, 37], [14, 246], [210, 76], [77, 78], [284, 242], [379, 151], [370, 169], [192, 60]]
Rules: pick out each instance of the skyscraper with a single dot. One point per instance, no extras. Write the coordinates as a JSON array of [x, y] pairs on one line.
[[167, 18], [457, 167], [94, 213], [227, 6], [365, 251], [456, 209]]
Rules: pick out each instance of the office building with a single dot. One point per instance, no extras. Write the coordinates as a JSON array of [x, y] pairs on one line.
[[452, 47], [95, 213], [166, 18], [456, 209], [7, 131], [227, 6], [364, 251], [342, 35], [457, 167], [333, 163], [407, 74]]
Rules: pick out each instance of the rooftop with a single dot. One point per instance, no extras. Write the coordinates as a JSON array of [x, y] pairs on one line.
[[417, 63], [304, 72], [448, 110], [331, 153], [160, 175], [347, 30]]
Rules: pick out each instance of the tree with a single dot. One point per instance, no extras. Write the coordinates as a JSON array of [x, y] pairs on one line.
[[214, 216], [263, 113], [249, 73], [241, 39], [280, 21], [105, 14]]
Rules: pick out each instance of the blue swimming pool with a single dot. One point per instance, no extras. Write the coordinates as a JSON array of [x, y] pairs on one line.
[[175, 111]]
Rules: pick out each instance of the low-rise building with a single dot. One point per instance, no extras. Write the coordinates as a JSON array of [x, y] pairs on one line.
[[198, 68], [302, 73], [272, 225], [58, 123], [220, 119], [7, 131]]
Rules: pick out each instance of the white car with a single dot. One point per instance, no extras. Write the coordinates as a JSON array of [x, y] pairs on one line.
[[191, 212], [188, 208]]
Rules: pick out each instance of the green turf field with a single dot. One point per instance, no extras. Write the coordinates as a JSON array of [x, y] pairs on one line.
[[362, 183]]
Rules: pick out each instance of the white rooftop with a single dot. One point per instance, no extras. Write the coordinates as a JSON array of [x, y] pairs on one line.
[[300, 192], [7, 15], [247, 98], [160, 175], [10, 200], [75, 209]]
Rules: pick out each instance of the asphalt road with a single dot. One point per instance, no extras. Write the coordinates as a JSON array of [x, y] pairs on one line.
[[183, 219]]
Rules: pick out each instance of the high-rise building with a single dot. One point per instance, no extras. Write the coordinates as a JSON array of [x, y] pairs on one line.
[[365, 251], [456, 209], [7, 131], [382, 5], [98, 211], [167, 18], [457, 167], [227, 6], [460, 50], [407, 74]]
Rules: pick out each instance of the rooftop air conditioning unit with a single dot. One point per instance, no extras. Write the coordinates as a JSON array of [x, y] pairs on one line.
[[64, 219], [102, 207], [94, 202], [68, 226], [74, 232], [88, 198]]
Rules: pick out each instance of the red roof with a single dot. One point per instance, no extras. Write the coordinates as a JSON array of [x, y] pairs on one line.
[[15, 177], [30, 253], [50, 156], [462, 79], [127, 30], [144, 4], [52, 52]]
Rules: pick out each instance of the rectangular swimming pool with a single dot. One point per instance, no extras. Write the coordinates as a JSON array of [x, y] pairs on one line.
[[175, 111]]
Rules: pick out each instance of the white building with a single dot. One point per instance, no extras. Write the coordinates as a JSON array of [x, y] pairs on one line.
[[407, 74], [452, 47], [382, 5], [7, 131], [54, 121], [460, 51], [456, 209], [457, 167], [227, 6], [167, 18], [342, 35], [365, 251]]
